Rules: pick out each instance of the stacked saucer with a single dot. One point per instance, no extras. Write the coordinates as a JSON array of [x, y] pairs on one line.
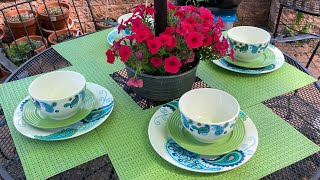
[[252, 51], [182, 137], [62, 105]]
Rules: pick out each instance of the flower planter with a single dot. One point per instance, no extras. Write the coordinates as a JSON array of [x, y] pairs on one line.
[[61, 32], [100, 25], [58, 20], [226, 4], [4, 71], [164, 88], [47, 32], [17, 27], [36, 38]]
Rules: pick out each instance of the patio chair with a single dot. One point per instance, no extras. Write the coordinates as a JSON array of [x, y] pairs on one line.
[[8, 36]]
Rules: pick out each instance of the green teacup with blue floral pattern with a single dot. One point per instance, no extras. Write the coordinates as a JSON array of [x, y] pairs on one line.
[[58, 95], [248, 42], [208, 114]]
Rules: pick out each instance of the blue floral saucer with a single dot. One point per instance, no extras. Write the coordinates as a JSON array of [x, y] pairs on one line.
[[101, 111], [279, 61], [170, 151]]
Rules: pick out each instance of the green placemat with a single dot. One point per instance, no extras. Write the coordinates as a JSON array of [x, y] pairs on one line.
[[41, 159], [252, 89], [87, 49], [248, 89], [133, 157]]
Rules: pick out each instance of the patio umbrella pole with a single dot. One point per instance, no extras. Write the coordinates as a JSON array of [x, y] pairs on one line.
[[160, 7]]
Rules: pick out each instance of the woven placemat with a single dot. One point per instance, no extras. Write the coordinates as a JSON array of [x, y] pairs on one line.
[[248, 89], [134, 158], [41, 159]]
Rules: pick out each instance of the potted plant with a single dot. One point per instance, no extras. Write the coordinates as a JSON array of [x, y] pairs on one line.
[[63, 35], [162, 68], [23, 50], [103, 25], [56, 12], [47, 32], [16, 20]]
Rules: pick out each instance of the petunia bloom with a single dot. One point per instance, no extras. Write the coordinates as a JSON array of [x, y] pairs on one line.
[[165, 39], [135, 82], [194, 40], [156, 61], [172, 64], [110, 56], [153, 45], [124, 53]]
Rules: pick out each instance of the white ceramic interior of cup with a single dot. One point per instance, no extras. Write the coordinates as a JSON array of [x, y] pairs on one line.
[[209, 106], [249, 35], [57, 85]]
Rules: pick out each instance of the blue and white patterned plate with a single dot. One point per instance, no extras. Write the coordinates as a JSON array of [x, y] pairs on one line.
[[170, 151], [276, 65], [98, 115], [113, 35]]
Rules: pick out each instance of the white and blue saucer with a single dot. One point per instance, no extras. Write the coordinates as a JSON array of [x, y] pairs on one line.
[[115, 36], [276, 65], [170, 151], [101, 111]]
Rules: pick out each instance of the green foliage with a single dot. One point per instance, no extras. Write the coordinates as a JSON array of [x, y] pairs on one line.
[[196, 2], [23, 51], [298, 27]]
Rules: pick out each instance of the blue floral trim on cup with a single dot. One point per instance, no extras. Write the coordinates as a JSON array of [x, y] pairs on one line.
[[197, 162], [245, 47], [74, 102]]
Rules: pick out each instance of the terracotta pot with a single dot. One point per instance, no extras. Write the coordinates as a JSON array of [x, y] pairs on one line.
[[1, 33], [17, 27], [47, 32], [57, 20], [4, 71], [36, 38], [101, 27], [65, 31]]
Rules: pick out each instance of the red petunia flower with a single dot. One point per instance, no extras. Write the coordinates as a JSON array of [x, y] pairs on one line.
[[173, 43], [153, 45], [219, 23], [189, 59], [189, 21], [169, 30], [156, 61], [150, 11], [207, 40], [194, 40], [121, 26], [110, 56], [205, 14], [135, 82], [172, 64], [232, 54], [182, 32], [124, 53], [141, 36], [165, 39], [171, 6]]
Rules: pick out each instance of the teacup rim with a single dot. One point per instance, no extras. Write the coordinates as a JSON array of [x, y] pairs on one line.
[[253, 27], [58, 99], [217, 123]]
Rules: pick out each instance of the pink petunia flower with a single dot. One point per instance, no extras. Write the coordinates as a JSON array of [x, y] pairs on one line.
[[153, 45], [135, 82], [110, 56], [124, 53], [156, 61], [194, 40], [172, 64]]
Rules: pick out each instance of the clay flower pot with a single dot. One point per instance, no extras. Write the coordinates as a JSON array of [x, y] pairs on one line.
[[101, 25], [52, 36], [58, 20], [35, 38], [4, 71], [17, 27], [47, 32]]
